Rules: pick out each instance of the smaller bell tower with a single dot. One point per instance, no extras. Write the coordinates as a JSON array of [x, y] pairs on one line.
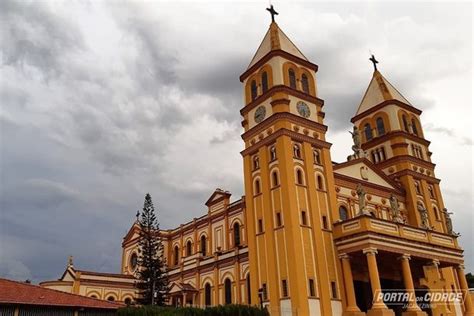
[[392, 137]]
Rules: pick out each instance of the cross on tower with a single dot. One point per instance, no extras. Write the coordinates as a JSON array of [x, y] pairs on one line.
[[374, 61], [272, 12]]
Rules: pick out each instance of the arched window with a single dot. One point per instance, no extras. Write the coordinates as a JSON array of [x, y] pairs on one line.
[[93, 296], [133, 261], [414, 127], [431, 190], [189, 248], [257, 186], [176, 255], [368, 132], [264, 82], [382, 153], [374, 157], [305, 83], [435, 210], [405, 123], [273, 153], [236, 234], [203, 245], [299, 177], [304, 220], [292, 77], [275, 179], [417, 188], [343, 214], [228, 291], [380, 126], [253, 87], [207, 294], [297, 151], [110, 298], [249, 297], [320, 182], [317, 156], [256, 162], [128, 301]]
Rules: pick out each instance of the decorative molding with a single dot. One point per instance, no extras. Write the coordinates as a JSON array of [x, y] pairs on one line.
[[382, 105], [273, 53], [276, 89], [285, 132], [370, 251]]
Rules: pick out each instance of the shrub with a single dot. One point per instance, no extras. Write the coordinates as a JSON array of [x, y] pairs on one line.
[[231, 310]]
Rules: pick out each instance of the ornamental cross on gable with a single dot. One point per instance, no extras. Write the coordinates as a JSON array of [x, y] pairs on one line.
[[272, 12]]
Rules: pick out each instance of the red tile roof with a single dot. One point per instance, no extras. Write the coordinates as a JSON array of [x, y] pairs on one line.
[[19, 293]]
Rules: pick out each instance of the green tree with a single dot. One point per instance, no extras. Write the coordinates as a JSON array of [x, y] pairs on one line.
[[470, 280], [152, 272]]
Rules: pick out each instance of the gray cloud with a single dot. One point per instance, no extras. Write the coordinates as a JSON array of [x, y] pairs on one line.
[[36, 37], [464, 140], [103, 102]]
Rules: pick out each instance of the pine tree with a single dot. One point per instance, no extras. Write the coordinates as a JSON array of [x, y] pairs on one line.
[[151, 272]]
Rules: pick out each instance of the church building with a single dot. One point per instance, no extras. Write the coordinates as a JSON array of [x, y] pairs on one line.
[[312, 236]]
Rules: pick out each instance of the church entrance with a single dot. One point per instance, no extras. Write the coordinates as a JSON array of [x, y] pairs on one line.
[[394, 286], [363, 293]]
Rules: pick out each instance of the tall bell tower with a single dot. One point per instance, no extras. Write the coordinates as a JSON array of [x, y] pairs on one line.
[[288, 182]]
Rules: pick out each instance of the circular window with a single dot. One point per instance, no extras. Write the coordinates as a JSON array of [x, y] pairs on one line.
[[133, 261]]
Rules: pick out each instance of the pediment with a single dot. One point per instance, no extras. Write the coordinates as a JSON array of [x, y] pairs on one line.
[[218, 195], [363, 171], [68, 275], [132, 233]]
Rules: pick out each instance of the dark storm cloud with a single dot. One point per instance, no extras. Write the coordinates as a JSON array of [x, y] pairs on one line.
[[33, 36], [103, 102]]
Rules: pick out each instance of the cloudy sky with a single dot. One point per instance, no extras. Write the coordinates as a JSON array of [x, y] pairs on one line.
[[102, 102]]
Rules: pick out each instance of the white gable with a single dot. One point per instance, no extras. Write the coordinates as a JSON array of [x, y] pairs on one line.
[[280, 41], [374, 95], [68, 276], [363, 172]]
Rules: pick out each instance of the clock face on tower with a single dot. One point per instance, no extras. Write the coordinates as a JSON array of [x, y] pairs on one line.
[[303, 109], [260, 114]]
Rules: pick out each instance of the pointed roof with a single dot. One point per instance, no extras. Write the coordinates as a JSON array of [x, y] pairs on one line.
[[275, 39], [379, 90]]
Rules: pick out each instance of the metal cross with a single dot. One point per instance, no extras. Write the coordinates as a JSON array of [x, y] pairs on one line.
[[374, 61], [272, 12]]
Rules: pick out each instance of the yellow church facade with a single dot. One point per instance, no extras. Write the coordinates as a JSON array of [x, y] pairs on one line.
[[312, 236]]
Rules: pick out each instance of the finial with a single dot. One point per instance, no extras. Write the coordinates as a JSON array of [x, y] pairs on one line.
[[374, 61], [138, 214], [69, 261], [272, 12]]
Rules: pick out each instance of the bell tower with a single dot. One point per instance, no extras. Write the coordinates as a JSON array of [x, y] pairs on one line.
[[288, 182], [393, 139]]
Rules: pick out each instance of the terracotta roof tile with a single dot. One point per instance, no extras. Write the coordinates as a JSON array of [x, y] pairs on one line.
[[12, 292]]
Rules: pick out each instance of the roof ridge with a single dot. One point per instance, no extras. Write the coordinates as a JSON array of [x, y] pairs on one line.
[[39, 287]]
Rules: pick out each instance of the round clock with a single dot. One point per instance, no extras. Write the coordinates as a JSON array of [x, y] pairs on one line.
[[260, 114], [303, 109]]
